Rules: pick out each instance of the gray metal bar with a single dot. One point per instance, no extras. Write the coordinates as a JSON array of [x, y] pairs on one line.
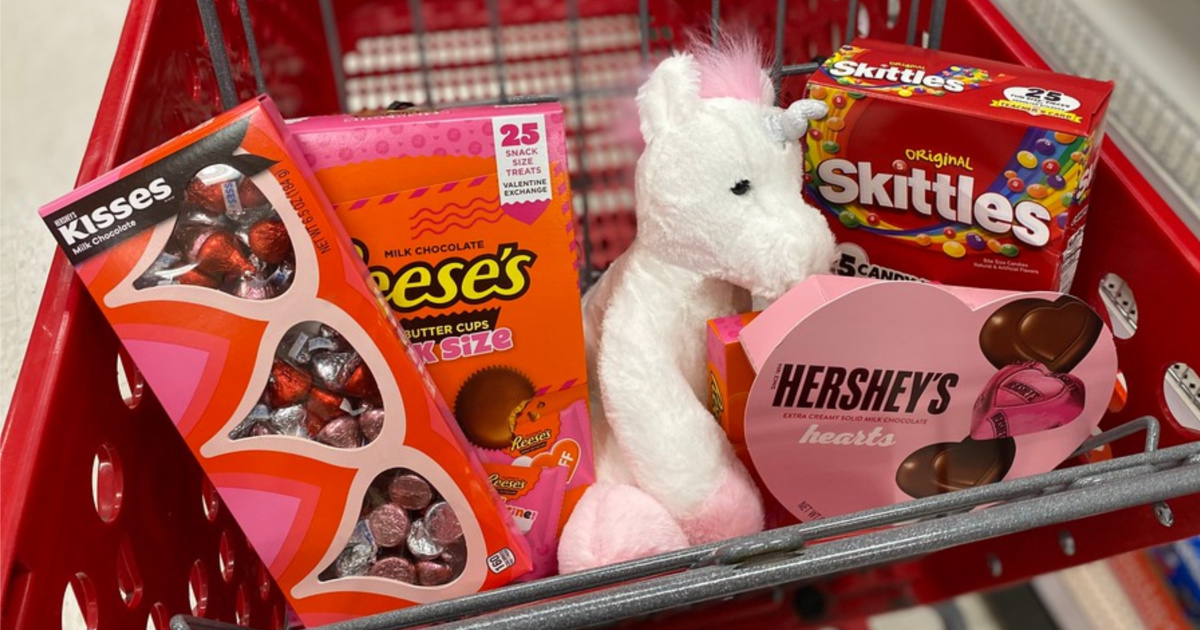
[[1149, 424], [1132, 471], [937, 22], [497, 46], [780, 31], [186, 622], [418, 19], [607, 92], [334, 43], [851, 22], [783, 540], [914, 8], [952, 617], [251, 46], [513, 100], [215, 35], [714, 22], [890, 545], [716, 581], [799, 68], [583, 187], [643, 26]]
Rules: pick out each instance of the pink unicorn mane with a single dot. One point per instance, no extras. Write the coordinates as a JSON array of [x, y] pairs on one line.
[[733, 68]]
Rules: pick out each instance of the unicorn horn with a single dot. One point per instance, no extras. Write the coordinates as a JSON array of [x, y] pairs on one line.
[[790, 124], [809, 109]]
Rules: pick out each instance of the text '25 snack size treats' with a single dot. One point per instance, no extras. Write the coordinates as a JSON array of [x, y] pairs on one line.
[[222, 269]]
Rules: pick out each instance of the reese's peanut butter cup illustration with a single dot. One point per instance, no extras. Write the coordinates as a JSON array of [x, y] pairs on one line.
[[488, 404]]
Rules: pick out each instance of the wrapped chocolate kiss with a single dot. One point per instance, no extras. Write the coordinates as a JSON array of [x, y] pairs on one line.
[[358, 555]]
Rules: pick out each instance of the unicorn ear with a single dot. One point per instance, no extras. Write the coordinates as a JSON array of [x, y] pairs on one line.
[[669, 95]]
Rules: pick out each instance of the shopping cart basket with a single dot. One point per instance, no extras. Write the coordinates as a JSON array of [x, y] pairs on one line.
[[150, 538]]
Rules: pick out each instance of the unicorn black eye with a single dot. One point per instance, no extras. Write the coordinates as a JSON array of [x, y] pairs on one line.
[[741, 188]]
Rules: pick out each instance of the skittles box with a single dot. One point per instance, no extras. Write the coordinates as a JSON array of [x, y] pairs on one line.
[[938, 167], [228, 280], [464, 219]]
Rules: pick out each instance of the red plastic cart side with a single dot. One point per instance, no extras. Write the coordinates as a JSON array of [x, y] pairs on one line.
[[151, 541]]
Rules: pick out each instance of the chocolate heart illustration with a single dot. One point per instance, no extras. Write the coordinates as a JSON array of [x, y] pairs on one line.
[[406, 532], [1026, 398], [319, 389], [1058, 334], [227, 238], [949, 466]]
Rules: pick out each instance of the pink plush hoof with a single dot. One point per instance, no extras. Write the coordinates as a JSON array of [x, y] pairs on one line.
[[734, 509], [612, 523]]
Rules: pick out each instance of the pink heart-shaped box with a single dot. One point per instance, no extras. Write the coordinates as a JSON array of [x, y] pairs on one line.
[[854, 375]]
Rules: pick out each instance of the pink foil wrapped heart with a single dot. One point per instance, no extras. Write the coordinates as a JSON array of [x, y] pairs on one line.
[[1026, 398]]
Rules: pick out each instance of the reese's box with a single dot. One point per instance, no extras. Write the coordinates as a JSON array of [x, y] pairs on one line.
[[729, 376], [939, 167], [220, 266], [464, 219]]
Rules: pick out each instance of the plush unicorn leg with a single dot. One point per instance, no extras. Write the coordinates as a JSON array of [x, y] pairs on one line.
[[719, 214], [678, 481]]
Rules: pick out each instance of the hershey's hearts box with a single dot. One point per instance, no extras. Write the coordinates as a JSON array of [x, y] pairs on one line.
[[873, 392]]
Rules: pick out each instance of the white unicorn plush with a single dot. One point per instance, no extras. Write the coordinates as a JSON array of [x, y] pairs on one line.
[[720, 218]]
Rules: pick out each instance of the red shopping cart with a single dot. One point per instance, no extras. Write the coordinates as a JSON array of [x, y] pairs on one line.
[[149, 538]]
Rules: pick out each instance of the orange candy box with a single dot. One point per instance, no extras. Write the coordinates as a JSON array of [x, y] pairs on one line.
[[464, 219]]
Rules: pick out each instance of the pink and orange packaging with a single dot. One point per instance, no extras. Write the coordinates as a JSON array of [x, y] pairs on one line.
[[464, 219], [219, 264], [534, 496], [927, 388]]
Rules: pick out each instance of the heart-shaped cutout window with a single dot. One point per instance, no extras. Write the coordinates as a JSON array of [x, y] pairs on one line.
[[319, 389], [406, 532], [228, 238]]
